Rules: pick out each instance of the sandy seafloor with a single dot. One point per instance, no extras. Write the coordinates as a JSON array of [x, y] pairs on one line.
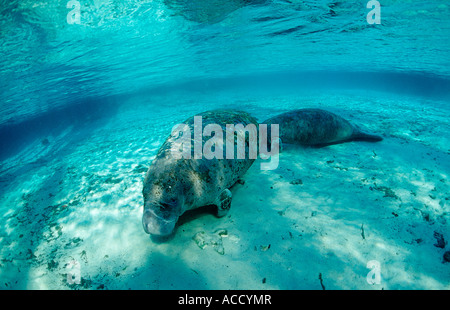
[[324, 213]]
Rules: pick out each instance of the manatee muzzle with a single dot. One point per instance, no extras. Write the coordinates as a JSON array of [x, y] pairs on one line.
[[157, 225]]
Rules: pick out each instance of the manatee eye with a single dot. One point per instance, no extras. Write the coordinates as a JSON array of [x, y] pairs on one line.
[[164, 206], [167, 205]]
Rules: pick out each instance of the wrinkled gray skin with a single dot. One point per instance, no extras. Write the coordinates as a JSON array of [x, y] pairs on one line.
[[173, 186], [316, 127]]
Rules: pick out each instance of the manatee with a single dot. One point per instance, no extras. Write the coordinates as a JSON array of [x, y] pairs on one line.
[[174, 185], [316, 127]]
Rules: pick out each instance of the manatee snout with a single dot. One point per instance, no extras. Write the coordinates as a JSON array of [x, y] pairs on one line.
[[157, 225]]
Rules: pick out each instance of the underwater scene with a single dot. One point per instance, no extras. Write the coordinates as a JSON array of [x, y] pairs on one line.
[[224, 145]]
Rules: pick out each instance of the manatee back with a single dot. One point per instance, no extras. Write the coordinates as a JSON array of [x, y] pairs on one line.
[[316, 127], [226, 170], [311, 127]]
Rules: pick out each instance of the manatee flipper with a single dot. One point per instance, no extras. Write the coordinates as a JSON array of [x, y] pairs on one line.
[[356, 136], [223, 202], [359, 135]]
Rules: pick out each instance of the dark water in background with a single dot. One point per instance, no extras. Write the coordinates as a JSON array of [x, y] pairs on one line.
[[70, 85], [17, 131]]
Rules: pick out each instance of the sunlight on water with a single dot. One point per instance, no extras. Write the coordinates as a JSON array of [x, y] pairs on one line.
[[124, 46]]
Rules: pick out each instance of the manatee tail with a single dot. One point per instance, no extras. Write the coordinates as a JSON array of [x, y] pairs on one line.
[[362, 136]]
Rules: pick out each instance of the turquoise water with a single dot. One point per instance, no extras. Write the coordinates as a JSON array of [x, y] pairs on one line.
[[85, 107]]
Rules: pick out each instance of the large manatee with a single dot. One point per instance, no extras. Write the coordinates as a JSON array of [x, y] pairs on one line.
[[174, 185]]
